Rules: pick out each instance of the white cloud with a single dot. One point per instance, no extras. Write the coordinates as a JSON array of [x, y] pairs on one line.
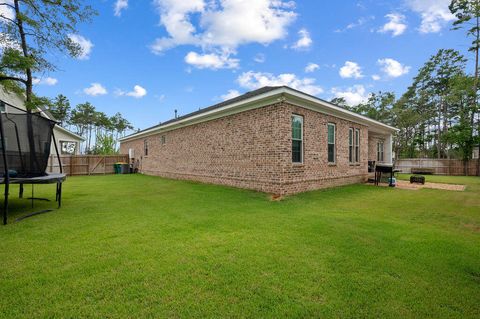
[[351, 70], [434, 13], [353, 96], [360, 22], [225, 24], [85, 46], [45, 81], [137, 92], [212, 61], [119, 6], [260, 58], [396, 24], [393, 68], [376, 77], [311, 67], [6, 11], [254, 80], [95, 89], [304, 42], [230, 95]]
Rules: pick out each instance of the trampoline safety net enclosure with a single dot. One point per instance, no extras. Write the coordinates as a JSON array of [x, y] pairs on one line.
[[25, 142], [28, 140]]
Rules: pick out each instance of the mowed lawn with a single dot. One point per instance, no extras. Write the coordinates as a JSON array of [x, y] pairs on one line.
[[142, 247]]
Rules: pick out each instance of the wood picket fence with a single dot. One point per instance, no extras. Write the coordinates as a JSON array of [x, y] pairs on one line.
[[439, 166], [85, 164]]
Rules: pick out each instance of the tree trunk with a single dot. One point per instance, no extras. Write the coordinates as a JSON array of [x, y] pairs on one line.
[[28, 84], [475, 89]]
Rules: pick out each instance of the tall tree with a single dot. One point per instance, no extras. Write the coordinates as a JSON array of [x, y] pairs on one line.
[[60, 109], [467, 13], [31, 30], [83, 118], [461, 133], [378, 106], [429, 92]]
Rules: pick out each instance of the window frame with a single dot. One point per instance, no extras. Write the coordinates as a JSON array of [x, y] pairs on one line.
[[163, 140], [296, 139], [145, 147], [334, 143], [357, 145], [61, 142], [351, 145], [380, 151]]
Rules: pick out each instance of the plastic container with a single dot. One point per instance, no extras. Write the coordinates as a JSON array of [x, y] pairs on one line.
[[116, 168], [392, 182], [124, 168]]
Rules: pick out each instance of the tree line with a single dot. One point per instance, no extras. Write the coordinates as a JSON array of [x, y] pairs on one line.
[[101, 132], [439, 114]]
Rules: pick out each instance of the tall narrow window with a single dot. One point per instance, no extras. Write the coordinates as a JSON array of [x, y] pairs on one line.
[[380, 151], [357, 145], [145, 147], [350, 145], [297, 139], [331, 142]]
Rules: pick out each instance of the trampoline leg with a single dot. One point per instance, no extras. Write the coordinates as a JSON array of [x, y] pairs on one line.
[[32, 195], [60, 195], [56, 194], [20, 191], [5, 204]]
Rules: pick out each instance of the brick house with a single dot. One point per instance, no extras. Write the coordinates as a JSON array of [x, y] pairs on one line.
[[275, 139]]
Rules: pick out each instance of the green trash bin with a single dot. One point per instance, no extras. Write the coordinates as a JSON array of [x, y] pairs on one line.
[[116, 168]]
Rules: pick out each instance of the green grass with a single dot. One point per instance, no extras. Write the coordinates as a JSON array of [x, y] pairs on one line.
[[142, 247]]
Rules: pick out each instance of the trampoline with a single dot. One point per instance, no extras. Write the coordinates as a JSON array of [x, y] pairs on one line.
[[25, 143]]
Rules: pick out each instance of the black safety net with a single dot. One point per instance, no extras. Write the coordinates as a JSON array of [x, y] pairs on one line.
[[28, 138]]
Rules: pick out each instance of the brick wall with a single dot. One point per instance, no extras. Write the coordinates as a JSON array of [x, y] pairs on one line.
[[252, 150]]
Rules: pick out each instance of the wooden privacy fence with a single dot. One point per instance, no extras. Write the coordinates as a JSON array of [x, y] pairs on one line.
[[439, 166], [85, 164]]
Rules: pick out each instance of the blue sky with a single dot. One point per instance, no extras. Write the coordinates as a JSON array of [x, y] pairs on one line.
[[147, 58]]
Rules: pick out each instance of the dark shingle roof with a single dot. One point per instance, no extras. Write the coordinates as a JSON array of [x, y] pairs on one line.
[[239, 98]]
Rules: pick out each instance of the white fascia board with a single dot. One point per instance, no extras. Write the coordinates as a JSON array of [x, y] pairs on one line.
[[274, 96], [315, 104]]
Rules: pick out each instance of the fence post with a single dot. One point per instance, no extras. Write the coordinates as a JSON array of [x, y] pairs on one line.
[[71, 165]]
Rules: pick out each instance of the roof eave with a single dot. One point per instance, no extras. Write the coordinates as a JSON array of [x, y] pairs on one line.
[[290, 96]]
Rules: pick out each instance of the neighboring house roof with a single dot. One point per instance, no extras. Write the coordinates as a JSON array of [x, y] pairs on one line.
[[70, 133], [47, 113], [17, 101], [258, 98]]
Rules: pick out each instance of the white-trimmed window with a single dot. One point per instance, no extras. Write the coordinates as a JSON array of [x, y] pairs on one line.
[[357, 145], [331, 142], [68, 147], [145, 147], [297, 138], [380, 156], [350, 145]]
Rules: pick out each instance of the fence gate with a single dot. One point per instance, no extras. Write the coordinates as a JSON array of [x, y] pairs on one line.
[[86, 164]]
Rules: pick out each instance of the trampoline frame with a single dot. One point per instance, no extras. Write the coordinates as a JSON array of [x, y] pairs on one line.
[[47, 179]]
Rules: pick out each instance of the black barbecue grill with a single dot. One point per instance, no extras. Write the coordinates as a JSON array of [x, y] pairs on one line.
[[384, 168]]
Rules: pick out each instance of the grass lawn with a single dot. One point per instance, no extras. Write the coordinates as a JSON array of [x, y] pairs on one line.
[[138, 246]]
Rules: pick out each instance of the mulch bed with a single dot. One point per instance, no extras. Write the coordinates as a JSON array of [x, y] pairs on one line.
[[407, 185]]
